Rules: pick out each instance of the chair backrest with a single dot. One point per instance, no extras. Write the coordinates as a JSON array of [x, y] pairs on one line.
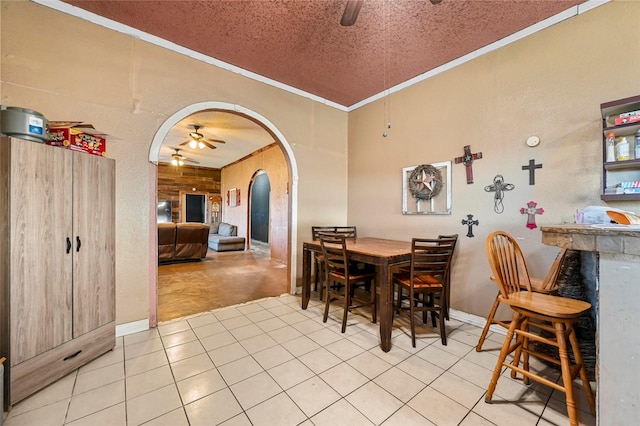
[[347, 231], [453, 237], [334, 250], [431, 256], [315, 230], [507, 263], [550, 282]]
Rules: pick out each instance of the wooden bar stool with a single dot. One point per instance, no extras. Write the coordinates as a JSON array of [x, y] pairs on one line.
[[548, 285], [554, 314]]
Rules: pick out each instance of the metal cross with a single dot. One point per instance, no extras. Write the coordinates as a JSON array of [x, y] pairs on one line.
[[532, 171], [470, 222], [498, 186], [467, 160], [531, 211]]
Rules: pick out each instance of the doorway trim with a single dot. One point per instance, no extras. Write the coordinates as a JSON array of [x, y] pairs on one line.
[[154, 154]]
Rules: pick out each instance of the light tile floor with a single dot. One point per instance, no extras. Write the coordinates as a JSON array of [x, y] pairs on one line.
[[269, 362]]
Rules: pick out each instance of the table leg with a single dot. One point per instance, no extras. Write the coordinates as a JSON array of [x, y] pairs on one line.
[[306, 277], [386, 306]]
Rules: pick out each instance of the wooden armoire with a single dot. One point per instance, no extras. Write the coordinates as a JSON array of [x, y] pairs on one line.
[[57, 262]]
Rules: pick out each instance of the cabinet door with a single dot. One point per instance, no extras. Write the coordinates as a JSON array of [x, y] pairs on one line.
[[93, 242], [40, 223]]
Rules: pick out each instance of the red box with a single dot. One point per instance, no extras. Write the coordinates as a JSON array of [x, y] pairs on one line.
[[82, 138], [627, 119]]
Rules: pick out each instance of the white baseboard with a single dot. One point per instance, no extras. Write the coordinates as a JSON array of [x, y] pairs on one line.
[[132, 327], [475, 320], [142, 325]]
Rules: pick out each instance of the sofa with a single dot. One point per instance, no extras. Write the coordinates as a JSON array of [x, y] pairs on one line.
[[224, 237], [182, 241]]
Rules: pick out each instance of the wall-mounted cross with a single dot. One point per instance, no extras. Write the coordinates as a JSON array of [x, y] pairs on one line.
[[470, 222], [531, 211], [467, 160], [532, 171], [498, 186]]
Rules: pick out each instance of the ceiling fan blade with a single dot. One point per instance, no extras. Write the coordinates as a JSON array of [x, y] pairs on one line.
[[215, 140], [189, 160], [351, 11], [207, 144], [184, 143]]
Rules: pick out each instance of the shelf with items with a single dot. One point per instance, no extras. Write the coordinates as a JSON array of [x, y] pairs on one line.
[[620, 176]]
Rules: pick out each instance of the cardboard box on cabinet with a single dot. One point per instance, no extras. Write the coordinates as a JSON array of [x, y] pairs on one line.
[[77, 136]]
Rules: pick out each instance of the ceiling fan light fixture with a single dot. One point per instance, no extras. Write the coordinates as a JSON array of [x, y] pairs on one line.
[[201, 145], [193, 144], [174, 162]]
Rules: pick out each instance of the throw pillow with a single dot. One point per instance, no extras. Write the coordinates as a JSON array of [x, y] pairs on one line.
[[213, 229], [225, 229]]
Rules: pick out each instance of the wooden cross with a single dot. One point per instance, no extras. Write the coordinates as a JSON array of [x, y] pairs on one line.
[[531, 211], [532, 171], [499, 186], [467, 160], [470, 222]]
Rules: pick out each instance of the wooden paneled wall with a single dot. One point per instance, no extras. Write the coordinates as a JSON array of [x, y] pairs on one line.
[[172, 180]]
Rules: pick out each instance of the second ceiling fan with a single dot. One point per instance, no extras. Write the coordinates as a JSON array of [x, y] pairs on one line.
[[198, 140]]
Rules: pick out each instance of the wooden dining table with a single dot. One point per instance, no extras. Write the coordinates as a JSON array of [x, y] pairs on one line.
[[385, 255]]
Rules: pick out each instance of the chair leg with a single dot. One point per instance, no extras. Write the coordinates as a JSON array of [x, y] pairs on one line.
[[327, 300], [567, 381], [425, 313], [573, 339], [492, 314], [347, 303], [316, 272], [522, 348], [443, 331], [411, 318], [433, 313], [446, 294], [374, 300], [517, 318]]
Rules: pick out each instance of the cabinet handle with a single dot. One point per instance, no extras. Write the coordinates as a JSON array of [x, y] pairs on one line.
[[68, 245], [78, 243], [73, 355]]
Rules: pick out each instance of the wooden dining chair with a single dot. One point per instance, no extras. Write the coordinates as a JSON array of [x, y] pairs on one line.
[[425, 282], [338, 269], [547, 285], [318, 260], [554, 314], [447, 284]]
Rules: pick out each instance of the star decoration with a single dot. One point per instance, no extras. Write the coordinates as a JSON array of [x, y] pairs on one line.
[[425, 180]]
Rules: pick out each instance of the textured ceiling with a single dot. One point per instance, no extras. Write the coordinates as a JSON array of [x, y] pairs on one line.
[[301, 43]]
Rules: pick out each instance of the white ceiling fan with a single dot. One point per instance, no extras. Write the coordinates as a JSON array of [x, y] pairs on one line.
[[197, 139]]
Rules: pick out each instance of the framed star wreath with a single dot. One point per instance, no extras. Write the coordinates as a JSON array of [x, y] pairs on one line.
[[426, 189]]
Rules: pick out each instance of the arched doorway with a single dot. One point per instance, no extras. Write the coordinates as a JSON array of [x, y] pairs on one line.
[[259, 211], [291, 190]]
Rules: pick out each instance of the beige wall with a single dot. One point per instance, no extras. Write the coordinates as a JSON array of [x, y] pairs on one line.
[[241, 175], [551, 85], [69, 69]]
